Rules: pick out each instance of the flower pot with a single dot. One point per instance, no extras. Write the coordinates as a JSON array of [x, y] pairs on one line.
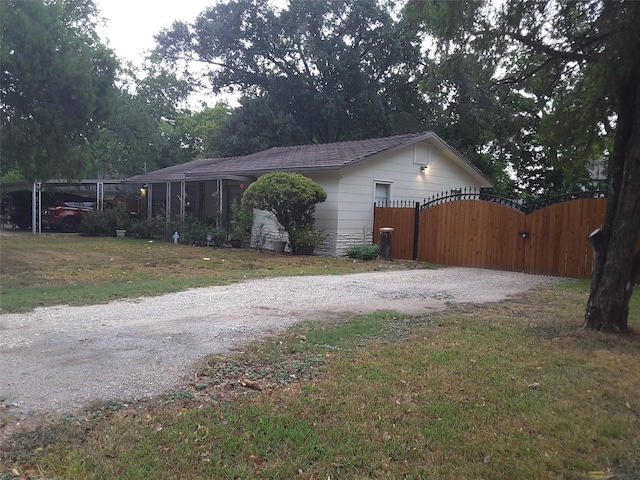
[[278, 245], [120, 233]]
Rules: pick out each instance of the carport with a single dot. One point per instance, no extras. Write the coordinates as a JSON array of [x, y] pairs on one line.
[[95, 187]]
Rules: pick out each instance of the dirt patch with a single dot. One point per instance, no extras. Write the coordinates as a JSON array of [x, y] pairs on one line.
[[59, 360]]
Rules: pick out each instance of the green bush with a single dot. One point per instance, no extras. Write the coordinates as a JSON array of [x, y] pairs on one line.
[[306, 236], [99, 223], [292, 199], [218, 236], [191, 230], [159, 228], [194, 230], [363, 252], [140, 229], [241, 220]]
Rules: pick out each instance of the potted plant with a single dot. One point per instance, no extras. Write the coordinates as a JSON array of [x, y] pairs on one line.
[[304, 240], [241, 223], [280, 243], [122, 220]]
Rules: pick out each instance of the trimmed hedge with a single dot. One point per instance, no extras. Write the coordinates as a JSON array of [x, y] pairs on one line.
[[363, 252]]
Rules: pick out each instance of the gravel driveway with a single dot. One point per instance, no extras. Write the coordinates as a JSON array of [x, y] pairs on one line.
[[60, 359]]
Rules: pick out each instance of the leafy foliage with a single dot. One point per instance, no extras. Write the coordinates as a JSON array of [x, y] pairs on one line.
[[338, 69], [195, 231], [256, 125], [99, 223], [363, 252], [201, 131], [577, 63], [142, 228], [305, 236], [291, 198], [146, 130], [56, 86], [241, 220], [495, 123]]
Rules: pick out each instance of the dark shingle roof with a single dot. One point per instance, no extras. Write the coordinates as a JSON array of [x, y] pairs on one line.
[[298, 158], [320, 156], [173, 173]]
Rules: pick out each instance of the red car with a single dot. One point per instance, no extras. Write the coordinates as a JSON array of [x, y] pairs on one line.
[[66, 216]]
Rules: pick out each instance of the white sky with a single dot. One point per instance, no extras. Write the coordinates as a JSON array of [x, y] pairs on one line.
[[131, 24]]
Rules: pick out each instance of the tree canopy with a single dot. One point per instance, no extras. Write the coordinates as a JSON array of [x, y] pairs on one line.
[[56, 86], [339, 69], [578, 63]]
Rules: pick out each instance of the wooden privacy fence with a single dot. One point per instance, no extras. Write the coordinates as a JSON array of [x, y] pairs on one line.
[[403, 218], [483, 231]]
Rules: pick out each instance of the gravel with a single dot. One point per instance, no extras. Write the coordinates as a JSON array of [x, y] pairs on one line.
[[59, 360]]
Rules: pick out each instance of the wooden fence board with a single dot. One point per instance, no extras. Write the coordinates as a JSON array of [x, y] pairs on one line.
[[402, 220], [483, 234]]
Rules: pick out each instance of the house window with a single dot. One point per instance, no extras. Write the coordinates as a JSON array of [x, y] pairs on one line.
[[382, 193], [457, 191]]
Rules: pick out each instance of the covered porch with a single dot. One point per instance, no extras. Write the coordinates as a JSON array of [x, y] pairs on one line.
[[207, 199]]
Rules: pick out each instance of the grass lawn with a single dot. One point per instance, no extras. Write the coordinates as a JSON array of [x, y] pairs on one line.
[[54, 269], [512, 390]]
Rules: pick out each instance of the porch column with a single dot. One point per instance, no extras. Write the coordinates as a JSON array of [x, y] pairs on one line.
[[219, 219], [100, 195], [167, 206], [149, 200], [183, 199]]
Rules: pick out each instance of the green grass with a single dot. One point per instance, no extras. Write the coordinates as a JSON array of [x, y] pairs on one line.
[[51, 269], [513, 390]]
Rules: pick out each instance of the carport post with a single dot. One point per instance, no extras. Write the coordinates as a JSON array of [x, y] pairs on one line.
[[100, 195], [36, 208]]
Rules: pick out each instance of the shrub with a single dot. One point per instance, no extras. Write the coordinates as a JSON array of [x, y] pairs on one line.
[[140, 229], [194, 230], [290, 197], [98, 223], [306, 236], [363, 252], [159, 228], [241, 220], [218, 236]]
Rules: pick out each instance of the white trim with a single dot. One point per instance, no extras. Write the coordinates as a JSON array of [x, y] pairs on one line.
[[389, 183]]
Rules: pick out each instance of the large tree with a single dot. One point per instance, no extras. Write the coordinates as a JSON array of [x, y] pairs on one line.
[[146, 129], [202, 132], [493, 123], [580, 61], [257, 124], [339, 69], [56, 86]]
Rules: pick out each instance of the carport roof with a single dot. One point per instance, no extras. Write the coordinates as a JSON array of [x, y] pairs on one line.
[[315, 157]]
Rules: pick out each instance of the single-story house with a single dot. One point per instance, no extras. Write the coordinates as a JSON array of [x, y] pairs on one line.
[[355, 175]]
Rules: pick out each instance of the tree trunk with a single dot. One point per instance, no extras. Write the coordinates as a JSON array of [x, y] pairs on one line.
[[614, 247], [385, 248]]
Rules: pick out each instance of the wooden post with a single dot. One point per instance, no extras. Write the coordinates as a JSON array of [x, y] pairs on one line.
[[416, 231], [385, 251]]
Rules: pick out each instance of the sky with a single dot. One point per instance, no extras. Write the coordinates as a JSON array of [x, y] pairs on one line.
[[131, 24]]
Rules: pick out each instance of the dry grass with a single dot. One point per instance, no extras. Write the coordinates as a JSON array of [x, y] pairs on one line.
[[513, 390], [53, 269]]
